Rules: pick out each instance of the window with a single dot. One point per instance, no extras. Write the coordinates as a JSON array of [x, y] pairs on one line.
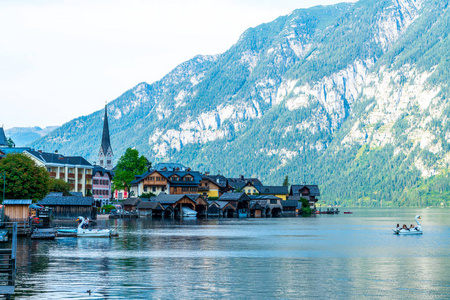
[[273, 201], [184, 189], [49, 169], [154, 188], [152, 178], [145, 189], [108, 162], [101, 162]]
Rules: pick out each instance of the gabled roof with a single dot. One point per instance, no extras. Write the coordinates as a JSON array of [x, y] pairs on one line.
[[17, 201], [131, 201], [197, 177], [106, 143], [274, 190], [3, 141], [150, 205], [215, 180], [56, 158], [222, 204], [234, 197], [241, 181], [169, 199], [102, 171], [50, 200], [222, 180], [313, 189]]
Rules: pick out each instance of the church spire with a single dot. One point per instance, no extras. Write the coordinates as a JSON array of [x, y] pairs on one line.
[[106, 154]]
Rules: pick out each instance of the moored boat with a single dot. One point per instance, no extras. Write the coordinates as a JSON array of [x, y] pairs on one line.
[[348, 212], [84, 232]]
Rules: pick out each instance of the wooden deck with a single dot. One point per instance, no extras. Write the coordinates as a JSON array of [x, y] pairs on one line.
[[8, 266]]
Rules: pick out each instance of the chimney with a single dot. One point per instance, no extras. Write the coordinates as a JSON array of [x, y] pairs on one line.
[[241, 177], [40, 151], [188, 169], [56, 151]]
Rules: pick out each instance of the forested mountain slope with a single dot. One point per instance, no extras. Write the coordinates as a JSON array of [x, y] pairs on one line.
[[353, 97]]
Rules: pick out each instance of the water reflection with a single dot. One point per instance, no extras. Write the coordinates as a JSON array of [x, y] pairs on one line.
[[328, 257]]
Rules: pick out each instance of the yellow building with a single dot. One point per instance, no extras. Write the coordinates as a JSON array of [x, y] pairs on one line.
[[210, 188], [278, 191]]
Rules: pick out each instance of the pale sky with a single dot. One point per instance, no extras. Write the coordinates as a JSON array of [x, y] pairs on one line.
[[63, 59]]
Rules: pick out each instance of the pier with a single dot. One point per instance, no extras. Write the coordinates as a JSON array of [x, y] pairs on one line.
[[8, 266]]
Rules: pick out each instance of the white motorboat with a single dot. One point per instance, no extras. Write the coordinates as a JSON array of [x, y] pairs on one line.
[[411, 231], [187, 212], [83, 232]]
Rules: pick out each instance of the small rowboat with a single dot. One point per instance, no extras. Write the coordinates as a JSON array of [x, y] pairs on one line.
[[348, 212]]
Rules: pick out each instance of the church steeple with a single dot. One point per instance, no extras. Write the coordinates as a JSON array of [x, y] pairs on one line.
[[105, 154]]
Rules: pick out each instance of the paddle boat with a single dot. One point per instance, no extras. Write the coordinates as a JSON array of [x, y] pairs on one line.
[[84, 232], [415, 230]]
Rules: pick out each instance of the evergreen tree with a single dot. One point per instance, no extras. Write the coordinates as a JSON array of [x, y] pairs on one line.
[[286, 181], [10, 142]]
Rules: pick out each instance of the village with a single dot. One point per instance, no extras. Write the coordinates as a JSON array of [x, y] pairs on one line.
[[165, 190]]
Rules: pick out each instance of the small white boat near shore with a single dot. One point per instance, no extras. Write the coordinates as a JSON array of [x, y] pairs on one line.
[[411, 231], [83, 232]]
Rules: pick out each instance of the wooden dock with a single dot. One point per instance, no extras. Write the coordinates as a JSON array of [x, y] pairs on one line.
[[8, 266]]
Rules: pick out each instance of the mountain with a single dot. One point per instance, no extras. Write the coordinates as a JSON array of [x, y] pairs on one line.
[[353, 97], [23, 136]]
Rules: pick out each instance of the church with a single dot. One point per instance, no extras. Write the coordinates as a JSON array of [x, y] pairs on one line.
[[103, 173]]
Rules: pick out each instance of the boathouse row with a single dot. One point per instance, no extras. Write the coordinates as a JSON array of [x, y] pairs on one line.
[[229, 205]]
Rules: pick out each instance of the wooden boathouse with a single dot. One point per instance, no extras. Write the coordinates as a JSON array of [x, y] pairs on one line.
[[70, 207]]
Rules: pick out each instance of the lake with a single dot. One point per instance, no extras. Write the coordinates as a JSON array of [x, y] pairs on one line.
[[328, 256]]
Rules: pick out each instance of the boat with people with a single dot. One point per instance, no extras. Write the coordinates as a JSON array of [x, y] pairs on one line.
[[412, 230], [83, 231]]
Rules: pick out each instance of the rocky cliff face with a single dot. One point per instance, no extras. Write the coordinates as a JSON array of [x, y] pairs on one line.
[[319, 95]]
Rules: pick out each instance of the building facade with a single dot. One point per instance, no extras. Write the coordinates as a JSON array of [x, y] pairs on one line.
[[101, 187], [72, 169]]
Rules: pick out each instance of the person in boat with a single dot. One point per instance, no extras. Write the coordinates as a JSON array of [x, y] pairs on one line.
[[412, 227], [405, 227], [398, 227]]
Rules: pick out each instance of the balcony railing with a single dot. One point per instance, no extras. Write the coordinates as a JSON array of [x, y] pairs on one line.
[[80, 176], [71, 175], [62, 175], [52, 174], [80, 186], [88, 186], [88, 176], [203, 188]]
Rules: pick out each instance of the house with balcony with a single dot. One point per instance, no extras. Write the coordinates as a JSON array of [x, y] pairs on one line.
[[75, 170], [246, 185], [173, 181], [309, 192]]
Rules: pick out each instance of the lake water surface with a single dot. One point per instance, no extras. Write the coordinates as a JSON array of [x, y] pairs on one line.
[[328, 256]]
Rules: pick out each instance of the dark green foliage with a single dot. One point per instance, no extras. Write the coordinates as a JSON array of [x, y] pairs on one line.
[[129, 165], [286, 181], [59, 185], [24, 180], [107, 208], [147, 195], [10, 142]]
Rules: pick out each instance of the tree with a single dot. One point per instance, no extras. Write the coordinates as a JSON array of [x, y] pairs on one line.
[[10, 142], [147, 195], [129, 165], [286, 181], [24, 179], [59, 186]]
